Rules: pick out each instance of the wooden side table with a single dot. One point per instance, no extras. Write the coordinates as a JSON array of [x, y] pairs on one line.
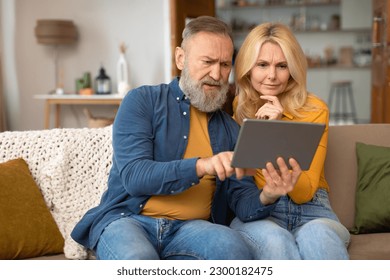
[[74, 99]]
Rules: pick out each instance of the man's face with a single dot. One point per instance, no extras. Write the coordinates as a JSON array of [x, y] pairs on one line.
[[206, 63]]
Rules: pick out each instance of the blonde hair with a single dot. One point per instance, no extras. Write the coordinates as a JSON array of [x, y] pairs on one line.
[[294, 98]]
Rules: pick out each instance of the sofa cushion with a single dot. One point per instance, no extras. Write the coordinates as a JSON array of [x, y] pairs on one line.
[[27, 227], [373, 189], [371, 246]]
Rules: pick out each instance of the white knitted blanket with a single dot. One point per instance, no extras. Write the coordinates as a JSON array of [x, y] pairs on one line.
[[71, 168]]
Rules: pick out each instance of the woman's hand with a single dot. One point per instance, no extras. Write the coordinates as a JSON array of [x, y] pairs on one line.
[[279, 182], [272, 110]]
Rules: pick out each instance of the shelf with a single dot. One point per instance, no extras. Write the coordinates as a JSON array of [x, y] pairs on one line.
[[74, 99], [100, 97], [240, 33], [281, 5], [340, 67], [354, 30]]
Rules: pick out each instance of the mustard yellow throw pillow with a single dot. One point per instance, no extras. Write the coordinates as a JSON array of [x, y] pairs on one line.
[[27, 228]]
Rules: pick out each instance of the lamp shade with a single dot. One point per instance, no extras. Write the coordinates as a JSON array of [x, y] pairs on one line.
[[55, 32]]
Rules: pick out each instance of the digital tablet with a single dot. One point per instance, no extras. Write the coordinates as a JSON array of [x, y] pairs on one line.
[[262, 141]]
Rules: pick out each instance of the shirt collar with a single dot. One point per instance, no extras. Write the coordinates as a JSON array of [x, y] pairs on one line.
[[177, 92]]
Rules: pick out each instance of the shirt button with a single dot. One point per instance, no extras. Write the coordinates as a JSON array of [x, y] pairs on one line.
[[140, 206], [184, 113], [172, 191], [177, 98], [185, 136], [193, 184], [122, 214]]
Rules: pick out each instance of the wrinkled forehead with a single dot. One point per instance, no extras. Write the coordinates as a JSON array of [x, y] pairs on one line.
[[210, 44], [207, 36]]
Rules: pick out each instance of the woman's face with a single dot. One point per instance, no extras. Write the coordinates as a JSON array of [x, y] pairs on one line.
[[270, 74]]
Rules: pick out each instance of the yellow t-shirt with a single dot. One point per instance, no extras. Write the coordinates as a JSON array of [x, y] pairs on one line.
[[195, 202], [314, 178]]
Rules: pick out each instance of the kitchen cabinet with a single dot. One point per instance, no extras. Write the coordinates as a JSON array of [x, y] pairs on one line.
[[180, 12], [300, 15], [317, 24]]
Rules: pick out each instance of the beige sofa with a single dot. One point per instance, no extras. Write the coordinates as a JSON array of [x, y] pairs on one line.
[[341, 173], [71, 167]]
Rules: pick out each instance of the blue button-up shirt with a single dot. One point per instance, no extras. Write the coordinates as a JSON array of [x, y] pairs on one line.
[[150, 136]]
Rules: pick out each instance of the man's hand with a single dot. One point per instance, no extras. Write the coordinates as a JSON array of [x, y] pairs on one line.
[[279, 182], [220, 165]]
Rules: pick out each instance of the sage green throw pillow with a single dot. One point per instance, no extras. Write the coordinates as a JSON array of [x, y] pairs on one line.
[[373, 189]]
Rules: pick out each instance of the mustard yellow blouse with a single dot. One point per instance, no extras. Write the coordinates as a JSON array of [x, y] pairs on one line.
[[314, 178]]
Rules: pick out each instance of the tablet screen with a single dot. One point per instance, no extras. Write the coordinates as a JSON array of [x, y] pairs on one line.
[[262, 141]]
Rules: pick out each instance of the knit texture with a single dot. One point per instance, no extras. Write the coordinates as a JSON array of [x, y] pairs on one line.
[[71, 168]]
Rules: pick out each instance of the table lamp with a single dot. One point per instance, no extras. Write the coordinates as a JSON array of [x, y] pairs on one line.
[[55, 33]]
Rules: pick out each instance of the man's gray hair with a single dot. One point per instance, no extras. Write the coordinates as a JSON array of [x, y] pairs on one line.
[[205, 24]]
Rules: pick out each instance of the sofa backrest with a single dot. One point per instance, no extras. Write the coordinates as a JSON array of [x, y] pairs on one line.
[[341, 163]]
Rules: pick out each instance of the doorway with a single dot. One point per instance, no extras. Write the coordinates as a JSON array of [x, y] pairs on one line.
[[181, 11], [380, 87]]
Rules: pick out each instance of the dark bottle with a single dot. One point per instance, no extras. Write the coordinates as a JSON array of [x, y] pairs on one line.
[[103, 82]]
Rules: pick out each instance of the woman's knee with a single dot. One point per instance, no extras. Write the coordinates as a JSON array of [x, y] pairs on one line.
[[324, 228]]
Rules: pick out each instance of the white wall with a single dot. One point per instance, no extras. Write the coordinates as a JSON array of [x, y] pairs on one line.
[[143, 25], [10, 85]]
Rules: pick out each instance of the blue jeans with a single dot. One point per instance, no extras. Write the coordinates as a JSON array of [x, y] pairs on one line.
[[297, 231], [138, 237]]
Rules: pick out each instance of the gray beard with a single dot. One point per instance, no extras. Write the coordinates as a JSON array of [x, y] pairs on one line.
[[205, 102]]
